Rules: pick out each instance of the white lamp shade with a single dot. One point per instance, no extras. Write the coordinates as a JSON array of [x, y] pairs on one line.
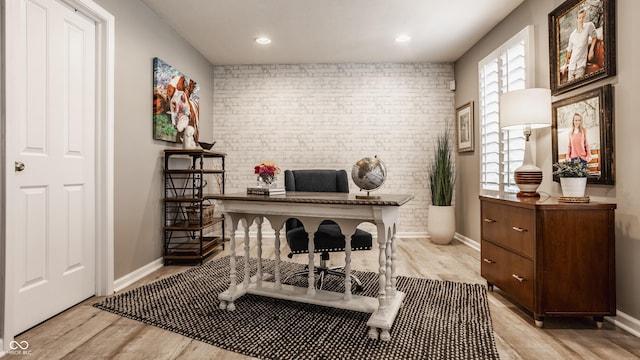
[[527, 107]]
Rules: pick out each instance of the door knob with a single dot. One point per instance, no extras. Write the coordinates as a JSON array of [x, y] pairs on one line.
[[19, 166]]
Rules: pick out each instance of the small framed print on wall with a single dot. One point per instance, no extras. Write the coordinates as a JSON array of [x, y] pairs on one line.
[[464, 127], [582, 43]]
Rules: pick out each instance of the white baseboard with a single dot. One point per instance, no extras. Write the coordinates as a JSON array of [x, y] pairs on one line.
[[413, 235], [138, 274], [625, 322], [467, 241]]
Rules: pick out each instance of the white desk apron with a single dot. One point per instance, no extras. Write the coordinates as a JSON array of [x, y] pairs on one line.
[[312, 208]]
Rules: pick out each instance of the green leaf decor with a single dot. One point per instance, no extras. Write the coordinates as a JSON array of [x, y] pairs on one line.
[[441, 176]]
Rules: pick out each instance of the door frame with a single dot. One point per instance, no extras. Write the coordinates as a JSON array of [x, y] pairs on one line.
[[105, 61]]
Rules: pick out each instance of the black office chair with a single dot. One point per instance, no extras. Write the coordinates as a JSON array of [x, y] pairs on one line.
[[328, 238]]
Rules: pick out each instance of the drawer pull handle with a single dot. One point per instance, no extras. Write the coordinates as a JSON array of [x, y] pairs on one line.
[[518, 229], [519, 278], [488, 261], [487, 220]]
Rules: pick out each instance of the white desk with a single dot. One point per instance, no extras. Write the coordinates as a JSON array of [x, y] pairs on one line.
[[311, 209]]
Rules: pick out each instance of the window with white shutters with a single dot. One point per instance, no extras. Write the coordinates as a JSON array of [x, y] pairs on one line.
[[510, 67]]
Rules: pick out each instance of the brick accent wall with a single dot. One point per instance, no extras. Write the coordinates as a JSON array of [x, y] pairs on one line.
[[330, 116]]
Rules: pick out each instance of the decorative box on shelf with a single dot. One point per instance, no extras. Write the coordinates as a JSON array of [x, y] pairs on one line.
[[193, 214]]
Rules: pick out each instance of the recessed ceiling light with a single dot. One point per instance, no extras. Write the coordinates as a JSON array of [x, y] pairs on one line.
[[262, 40], [403, 38]]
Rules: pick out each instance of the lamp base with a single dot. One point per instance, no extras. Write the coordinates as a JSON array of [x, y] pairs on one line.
[[528, 178], [527, 194]]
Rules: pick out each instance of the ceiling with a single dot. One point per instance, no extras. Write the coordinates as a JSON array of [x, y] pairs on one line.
[[332, 31]]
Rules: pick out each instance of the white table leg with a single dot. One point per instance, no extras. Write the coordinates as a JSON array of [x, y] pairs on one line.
[[347, 267], [389, 264], [277, 224], [233, 274], [311, 289], [394, 255], [382, 280], [247, 273], [277, 265], [259, 221], [233, 287]]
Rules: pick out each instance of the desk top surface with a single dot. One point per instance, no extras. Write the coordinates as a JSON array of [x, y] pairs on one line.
[[320, 198]]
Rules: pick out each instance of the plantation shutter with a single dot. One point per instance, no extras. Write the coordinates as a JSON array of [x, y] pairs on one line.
[[490, 124], [504, 70]]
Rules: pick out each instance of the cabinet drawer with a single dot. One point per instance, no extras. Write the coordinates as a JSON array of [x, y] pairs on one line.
[[510, 272], [509, 226]]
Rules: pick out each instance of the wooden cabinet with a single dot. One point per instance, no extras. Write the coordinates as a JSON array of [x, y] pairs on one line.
[[192, 231], [555, 259]]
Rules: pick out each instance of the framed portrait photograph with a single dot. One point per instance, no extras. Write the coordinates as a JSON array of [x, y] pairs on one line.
[[582, 127], [464, 127], [176, 109], [582, 43]]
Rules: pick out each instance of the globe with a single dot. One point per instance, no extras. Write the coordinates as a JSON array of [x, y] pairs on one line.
[[369, 174]]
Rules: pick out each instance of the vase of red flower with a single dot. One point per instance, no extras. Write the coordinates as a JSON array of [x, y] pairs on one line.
[[267, 172]]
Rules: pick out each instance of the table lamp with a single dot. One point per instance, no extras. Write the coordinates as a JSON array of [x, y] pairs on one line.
[[526, 109]]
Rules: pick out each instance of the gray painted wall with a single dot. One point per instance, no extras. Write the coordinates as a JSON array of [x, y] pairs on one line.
[[140, 36], [627, 128]]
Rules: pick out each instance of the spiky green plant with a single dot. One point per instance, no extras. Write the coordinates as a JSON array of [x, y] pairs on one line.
[[441, 176]]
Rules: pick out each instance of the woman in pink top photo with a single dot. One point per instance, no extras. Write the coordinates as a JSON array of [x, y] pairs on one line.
[[578, 145]]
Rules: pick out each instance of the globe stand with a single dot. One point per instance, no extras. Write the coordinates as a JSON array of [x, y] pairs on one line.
[[364, 197], [368, 173]]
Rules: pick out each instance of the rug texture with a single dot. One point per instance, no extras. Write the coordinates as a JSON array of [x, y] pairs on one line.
[[439, 319]]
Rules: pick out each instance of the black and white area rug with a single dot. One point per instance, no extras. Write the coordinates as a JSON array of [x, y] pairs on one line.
[[439, 319]]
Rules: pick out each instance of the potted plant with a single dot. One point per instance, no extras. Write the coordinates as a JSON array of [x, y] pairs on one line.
[[441, 222], [573, 177]]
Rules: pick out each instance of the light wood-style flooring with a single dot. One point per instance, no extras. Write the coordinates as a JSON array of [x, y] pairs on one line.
[[84, 332]]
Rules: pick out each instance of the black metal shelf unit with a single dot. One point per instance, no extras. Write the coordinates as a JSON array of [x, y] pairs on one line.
[[192, 231]]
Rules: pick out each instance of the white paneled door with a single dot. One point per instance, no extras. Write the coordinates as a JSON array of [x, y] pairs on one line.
[[50, 176]]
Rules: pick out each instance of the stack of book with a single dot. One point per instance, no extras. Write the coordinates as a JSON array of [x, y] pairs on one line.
[[266, 191]]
